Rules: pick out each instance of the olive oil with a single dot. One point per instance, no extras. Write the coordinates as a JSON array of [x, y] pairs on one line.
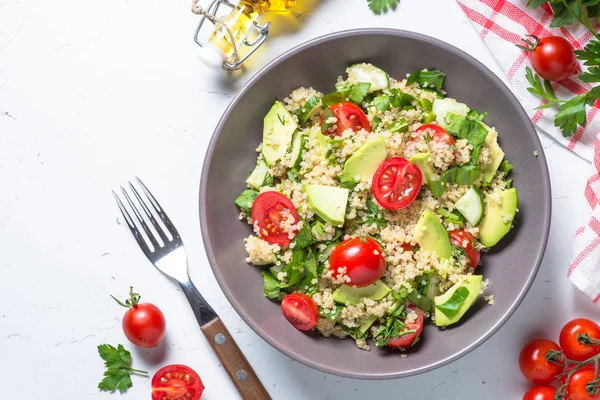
[[239, 22]]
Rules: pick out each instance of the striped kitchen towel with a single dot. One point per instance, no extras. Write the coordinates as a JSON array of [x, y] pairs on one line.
[[501, 24]]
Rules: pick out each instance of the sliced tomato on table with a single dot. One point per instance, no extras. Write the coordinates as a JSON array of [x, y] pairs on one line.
[[439, 135], [464, 239], [270, 211], [300, 310], [396, 183], [406, 340], [362, 259], [176, 382], [348, 116]]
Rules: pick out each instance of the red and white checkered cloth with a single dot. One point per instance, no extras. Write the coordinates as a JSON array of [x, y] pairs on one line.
[[501, 24]]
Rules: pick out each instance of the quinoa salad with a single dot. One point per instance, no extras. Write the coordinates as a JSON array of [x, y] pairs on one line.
[[371, 205]]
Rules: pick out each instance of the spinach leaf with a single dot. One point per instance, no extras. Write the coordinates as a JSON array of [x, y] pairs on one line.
[[310, 273], [401, 100], [381, 103], [347, 183], [304, 237], [295, 268], [305, 111], [374, 215], [450, 308], [420, 300], [359, 91], [427, 79], [271, 285], [450, 216], [326, 125], [464, 175], [246, 199], [291, 174], [474, 132], [506, 167], [398, 126], [333, 314], [333, 98]]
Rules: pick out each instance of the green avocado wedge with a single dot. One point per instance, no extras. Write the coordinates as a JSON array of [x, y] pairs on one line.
[[498, 217]]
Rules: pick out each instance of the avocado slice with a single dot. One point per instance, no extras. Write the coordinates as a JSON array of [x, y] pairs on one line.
[[277, 133], [258, 175], [365, 161], [423, 161], [328, 202], [366, 324], [498, 218], [496, 154], [473, 284], [352, 295], [432, 236]]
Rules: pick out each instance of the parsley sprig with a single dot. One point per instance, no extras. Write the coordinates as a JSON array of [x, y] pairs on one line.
[[381, 6], [118, 368], [572, 113]]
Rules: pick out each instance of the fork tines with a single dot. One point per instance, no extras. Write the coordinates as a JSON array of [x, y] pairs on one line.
[[162, 234]]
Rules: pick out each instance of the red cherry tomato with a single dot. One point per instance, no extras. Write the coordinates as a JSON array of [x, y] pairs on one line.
[[576, 388], [540, 393], [144, 325], [396, 183], [570, 345], [553, 58], [458, 237], [408, 339], [349, 116], [362, 258], [534, 365], [176, 382], [270, 211], [300, 310], [439, 134]]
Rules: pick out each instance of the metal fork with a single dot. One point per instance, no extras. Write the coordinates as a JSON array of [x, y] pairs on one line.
[[164, 248]]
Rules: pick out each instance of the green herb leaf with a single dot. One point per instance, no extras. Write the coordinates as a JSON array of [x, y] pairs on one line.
[[295, 268], [306, 110], [272, 286], [571, 115], [463, 175], [452, 216], [381, 6], [118, 368], [246, 199], [326, 125], [347, 183], [469, 128], [310, 274], [450, 308], [382, 103], [505, 167], [359, 91], [535, 3], [374, 215], [545, 91], [402, 100]]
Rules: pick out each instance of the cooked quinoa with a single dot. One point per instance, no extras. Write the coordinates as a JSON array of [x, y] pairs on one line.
[[462, 164]]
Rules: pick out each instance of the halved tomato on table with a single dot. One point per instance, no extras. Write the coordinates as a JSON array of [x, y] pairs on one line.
[[464, 239], [439, 134], [273, 213], [406, 340], [176, 382], [396, 183], [300, 310], [349, 116]]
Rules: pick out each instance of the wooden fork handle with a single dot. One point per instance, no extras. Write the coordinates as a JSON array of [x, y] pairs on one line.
[[241, 373]]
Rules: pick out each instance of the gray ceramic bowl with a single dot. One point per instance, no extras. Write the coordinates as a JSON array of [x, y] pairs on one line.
[[511, 267]]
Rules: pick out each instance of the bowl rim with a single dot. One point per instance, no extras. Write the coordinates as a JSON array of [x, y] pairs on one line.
[[547, 196]]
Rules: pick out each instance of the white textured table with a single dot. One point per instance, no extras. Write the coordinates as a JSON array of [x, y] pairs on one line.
[[92, 94]]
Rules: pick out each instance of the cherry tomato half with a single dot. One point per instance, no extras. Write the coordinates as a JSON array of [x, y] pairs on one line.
[[534, 365], [439, 134], [576, 389], [553, 58], [570, 345], [408, 339], [144, 325], [540, 393], [362, 258], [300, 310], [349, 116], [396, 183], [176, 382], [269, 211], [458, 237]]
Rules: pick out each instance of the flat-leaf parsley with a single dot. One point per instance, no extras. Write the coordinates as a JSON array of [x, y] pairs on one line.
[[381, 6], [118, 368]]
